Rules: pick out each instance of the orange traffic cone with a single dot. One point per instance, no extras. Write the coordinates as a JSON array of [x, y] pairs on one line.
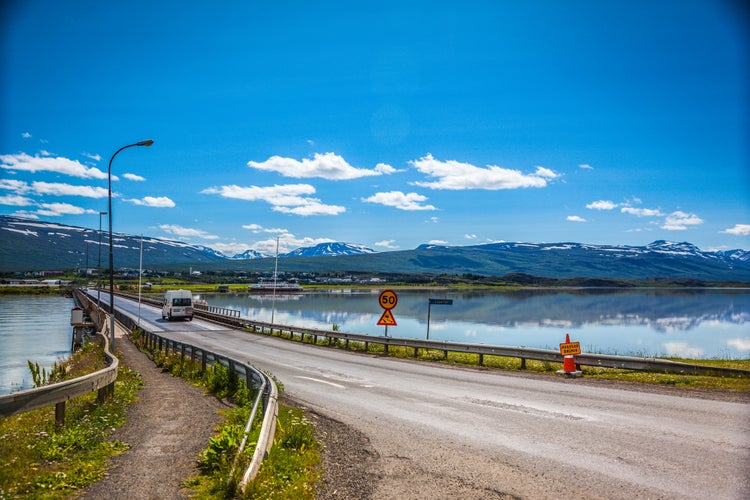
[[569, 363]]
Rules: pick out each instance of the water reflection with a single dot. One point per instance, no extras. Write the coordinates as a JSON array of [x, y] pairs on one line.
[[698, 323], [32, 328]]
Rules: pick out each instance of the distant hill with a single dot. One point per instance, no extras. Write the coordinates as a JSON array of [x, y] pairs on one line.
[[33, 245], [332, 249], [27, 244]]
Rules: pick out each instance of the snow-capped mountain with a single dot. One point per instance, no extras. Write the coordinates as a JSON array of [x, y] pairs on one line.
[[248, 255], [330, 249], [27, 244]]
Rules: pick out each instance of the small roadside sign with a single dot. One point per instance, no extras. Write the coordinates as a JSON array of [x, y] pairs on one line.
[[442, 302], [388, 299], [387, 319], [570, 348]]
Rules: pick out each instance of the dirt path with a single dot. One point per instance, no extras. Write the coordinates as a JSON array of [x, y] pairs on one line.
[[166, 429]]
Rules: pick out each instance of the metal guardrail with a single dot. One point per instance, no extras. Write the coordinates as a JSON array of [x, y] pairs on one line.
[[481, 350], [58, 393]]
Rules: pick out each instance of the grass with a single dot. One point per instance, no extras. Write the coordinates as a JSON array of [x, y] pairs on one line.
[[38, 460]]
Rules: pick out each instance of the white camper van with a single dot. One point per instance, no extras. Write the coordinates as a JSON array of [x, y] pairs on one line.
[[177, 304]]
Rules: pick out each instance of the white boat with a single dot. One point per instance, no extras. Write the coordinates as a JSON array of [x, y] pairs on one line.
[[272, 285]]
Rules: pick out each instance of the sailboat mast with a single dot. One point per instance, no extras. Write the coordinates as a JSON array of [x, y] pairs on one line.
[[275, 274]]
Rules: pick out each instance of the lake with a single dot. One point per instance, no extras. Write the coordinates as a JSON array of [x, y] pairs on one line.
[[692, 323], [32, 328]]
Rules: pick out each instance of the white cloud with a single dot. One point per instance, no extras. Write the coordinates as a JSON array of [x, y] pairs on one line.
[[437, 242], [60, 165], [454, 175], [58, 209], [387, 244], [739, 230], [26, 135], [682, 350], [60, 189], [679, 221], [400, 200], [642, 212], [151, 201], [19, 187], [741, 344], [575, 218], [186, 232], [92, 156], [134, 177], [602, 205], [311, 206], [16, 200], [327, 166], [586, 166], [286, 198], [257, 228], [287, 243], [470, 236]]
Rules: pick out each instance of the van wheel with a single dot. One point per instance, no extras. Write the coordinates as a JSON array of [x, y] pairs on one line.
[[190, 318]]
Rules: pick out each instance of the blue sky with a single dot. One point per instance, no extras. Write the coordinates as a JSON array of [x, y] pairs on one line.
[[386, 124]]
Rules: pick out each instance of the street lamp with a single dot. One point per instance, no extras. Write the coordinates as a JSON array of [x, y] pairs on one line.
[[147, 142], [99, 268]]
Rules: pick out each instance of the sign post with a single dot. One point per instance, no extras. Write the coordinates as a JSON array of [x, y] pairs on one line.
[[387, 300], [444, 302]]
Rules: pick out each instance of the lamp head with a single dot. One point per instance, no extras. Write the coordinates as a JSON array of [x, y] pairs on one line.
[[147, 142]]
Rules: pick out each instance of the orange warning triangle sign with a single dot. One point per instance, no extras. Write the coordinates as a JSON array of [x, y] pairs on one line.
[[387, 319]]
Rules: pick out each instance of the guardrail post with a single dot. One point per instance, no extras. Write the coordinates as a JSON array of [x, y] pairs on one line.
[[523, 363], [481, 359], [59, 414]]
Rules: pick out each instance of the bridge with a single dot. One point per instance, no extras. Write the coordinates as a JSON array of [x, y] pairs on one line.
[[469, 429]]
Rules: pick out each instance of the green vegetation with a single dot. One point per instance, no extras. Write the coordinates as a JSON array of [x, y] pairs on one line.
[[291, 469], [38, 460], [739, 383]]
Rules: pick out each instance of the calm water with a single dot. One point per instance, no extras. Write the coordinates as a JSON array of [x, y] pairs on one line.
[[685, 323], [32, 328]]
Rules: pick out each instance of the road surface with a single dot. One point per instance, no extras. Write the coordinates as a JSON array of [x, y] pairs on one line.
[[456, 432]]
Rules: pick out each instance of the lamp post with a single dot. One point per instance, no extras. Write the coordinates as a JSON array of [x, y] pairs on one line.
[[147, 142], [99, 268]]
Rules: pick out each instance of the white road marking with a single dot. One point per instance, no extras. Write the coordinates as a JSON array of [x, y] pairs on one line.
[[321, 381]]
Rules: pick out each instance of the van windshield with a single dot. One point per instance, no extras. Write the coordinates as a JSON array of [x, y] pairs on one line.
[[181, 302]]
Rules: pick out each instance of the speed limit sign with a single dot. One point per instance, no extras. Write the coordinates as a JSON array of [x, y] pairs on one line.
[[388, 299]]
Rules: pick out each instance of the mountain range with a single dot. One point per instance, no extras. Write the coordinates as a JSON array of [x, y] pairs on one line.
[[27, 244]]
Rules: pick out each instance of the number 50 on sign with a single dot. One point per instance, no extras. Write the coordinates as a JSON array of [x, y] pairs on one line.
[[388, 299]]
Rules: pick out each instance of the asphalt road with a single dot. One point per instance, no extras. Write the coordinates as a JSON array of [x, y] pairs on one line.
[[495, 433]]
